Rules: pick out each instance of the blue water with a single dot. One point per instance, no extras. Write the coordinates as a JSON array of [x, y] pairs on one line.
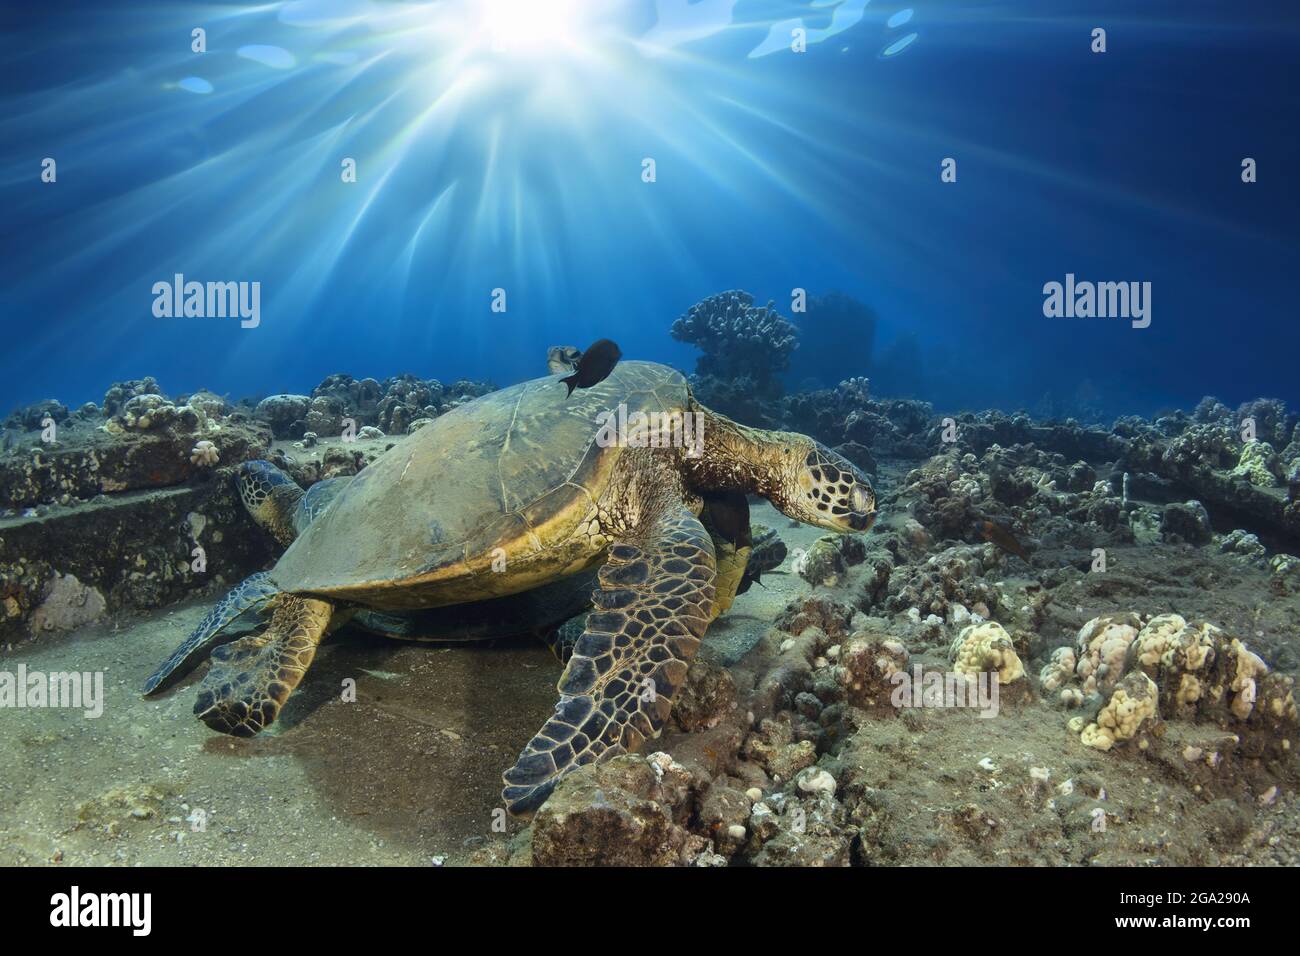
[[507, 153]]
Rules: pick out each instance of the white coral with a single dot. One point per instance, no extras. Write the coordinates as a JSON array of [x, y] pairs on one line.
[[1250, 667], [1132, 704], [987, 647], [1102, 645], [1157, 641], [1178, 651], [204, 454], [1058, 671]]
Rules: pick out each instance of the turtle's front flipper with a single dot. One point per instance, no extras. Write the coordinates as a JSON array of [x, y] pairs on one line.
[[652, 608], [251, 678], [252, 592], [732, 562], [316, 499], [725, 517]]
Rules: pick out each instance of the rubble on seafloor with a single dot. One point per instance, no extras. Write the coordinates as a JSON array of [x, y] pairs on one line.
[[1134, 606]]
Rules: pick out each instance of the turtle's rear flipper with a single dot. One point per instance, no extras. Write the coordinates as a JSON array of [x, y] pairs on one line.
[[652, 609], [248, 594], [251, 678]]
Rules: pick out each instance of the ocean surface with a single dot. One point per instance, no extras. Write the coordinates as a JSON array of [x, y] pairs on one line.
[[449, 188]]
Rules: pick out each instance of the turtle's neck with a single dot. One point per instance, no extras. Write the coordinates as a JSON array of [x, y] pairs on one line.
[[735, 458]]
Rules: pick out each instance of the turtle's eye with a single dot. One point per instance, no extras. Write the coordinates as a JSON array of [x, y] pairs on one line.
[[861, 499]]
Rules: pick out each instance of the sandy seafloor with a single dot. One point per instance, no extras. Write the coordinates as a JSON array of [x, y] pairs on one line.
[[409, 774]]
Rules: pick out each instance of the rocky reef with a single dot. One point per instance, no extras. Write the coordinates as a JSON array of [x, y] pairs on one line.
[[1058, 637], [149, 479], [820, 747], [1132, 615], [395, 406], [809, 758]]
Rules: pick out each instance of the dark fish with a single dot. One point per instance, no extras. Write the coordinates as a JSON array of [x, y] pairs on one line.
[[594, 366], [768, 553], [727, 514], [996, 534]]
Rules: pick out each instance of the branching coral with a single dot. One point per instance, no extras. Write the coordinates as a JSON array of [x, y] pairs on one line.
[[739, 340], [204, 454]]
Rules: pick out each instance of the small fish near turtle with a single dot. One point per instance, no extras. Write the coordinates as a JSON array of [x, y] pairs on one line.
[[727, 513], [592, 366], [766, 555], [514, 472]]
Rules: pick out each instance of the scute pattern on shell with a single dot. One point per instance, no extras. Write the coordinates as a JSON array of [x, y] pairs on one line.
[[512, 474]]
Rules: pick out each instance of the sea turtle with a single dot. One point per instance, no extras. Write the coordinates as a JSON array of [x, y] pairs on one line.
[[562, 359], [553, 613], [279, 505], [511, 492]]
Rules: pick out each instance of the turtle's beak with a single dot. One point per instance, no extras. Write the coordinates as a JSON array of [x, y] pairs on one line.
[[862, 501], [860, 521], [834, 493]]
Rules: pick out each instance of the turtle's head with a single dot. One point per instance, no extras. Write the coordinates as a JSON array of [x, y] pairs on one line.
[[269, 495], [820, 487], [801, 477]]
